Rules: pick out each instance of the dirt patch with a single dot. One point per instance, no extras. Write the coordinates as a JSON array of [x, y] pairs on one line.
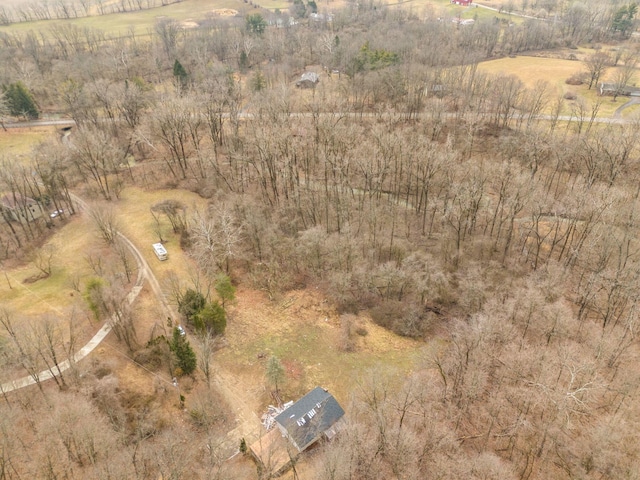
[[225, 12], [188, 24]]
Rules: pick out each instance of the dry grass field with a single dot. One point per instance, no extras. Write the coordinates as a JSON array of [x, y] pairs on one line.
[[555, 71], [189, 12], [141, 21], [19, 141]]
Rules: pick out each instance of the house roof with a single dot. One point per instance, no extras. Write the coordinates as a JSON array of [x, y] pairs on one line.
[[310, 417], [16, 200], [312, 77]]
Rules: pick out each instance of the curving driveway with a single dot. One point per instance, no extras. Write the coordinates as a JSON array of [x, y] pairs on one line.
[[144, 272]]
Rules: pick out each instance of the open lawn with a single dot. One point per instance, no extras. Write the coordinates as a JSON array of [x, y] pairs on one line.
[[137, 223], [71, 243], [18, 142], [555, 71]]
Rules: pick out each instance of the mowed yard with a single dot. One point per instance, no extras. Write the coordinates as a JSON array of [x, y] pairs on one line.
[[556, 71]]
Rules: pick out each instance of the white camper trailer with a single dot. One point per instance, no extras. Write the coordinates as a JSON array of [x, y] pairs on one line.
[[160, 251]]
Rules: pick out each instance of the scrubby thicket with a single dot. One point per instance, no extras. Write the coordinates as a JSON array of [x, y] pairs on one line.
[[455, 216]]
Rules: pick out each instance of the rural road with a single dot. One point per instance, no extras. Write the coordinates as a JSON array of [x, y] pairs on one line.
[[248, 116]]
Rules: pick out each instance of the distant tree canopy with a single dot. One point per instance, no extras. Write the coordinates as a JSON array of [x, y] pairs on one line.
[[20, 101], [622, 21], [256, 24]]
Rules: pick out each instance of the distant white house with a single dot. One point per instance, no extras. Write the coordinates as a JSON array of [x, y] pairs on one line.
[[160, 251]]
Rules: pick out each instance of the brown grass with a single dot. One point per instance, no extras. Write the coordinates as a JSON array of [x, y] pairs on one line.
[[18, 142], [555, 71]]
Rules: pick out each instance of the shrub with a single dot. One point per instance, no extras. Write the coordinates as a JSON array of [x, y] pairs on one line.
[[577, 78]]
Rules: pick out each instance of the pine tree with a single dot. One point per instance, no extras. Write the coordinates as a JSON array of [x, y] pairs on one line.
[[20, 101], [180, 74], [186, 359], [226, 290], [275, 372]]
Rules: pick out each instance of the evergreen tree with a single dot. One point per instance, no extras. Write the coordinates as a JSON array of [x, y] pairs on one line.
[[256, 24], [275, 372], [226, 290], [623, 18], [20, 101], [180, 74], [190, 304], [185, 356], [211, 318]]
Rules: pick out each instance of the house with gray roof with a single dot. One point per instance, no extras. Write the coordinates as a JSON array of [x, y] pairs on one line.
[[313, 416], [316, 415]]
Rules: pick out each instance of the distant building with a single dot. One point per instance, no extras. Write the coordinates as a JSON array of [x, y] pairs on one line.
[[308, 80], [613, 89], [21, 208], [461, 2]]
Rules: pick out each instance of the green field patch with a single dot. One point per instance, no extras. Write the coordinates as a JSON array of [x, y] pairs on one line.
[[142, 21]]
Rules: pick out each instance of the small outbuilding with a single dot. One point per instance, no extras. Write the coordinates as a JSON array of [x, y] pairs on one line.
[[308, 80]]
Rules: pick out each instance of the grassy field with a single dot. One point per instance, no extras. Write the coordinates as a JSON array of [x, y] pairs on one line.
[[142, 20], [196, 10], [18, 142], [137, 223], [555, 71], [54, 294]]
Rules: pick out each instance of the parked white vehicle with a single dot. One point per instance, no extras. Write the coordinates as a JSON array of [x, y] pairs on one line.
[[160, 251]]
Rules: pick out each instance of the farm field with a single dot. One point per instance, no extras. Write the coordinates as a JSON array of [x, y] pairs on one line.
[[192, 11], [141, 21]]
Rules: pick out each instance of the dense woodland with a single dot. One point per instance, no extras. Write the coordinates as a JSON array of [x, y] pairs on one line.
[[457, 215]]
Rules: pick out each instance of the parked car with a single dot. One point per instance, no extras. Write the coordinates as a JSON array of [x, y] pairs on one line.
[[181, 330], [56, 213]]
